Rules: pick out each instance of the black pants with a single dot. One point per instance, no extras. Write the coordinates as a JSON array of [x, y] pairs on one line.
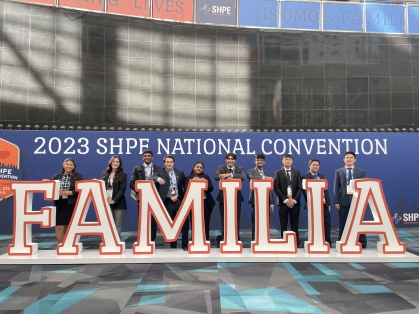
[[327, 224], [293, 214], [239, 209], [343, 216], [172, 209], [207, 218]]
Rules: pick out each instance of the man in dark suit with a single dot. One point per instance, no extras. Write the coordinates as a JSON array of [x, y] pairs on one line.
[[144, 172], [229, 171], [287, 185], [259, 174], [343, 193], [171, 188], [313, 166]]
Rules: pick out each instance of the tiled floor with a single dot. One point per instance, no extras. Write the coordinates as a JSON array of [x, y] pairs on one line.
[[210, 287]]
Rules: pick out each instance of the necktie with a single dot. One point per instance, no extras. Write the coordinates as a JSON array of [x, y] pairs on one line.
[[289, 175], [350, 174], [316, 177]]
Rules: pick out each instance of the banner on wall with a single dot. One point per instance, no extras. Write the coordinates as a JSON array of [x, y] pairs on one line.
[[300, 15], [385, 19], [216, 12], [140, 8], [174, 10], [41, 154], [343, 17], [258, 13]]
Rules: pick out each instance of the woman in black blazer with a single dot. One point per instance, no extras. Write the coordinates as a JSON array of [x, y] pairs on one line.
[[68, 196], [197, 173], [116, 184]]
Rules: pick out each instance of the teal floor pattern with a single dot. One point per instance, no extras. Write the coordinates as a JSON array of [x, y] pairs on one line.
[[210, 287]]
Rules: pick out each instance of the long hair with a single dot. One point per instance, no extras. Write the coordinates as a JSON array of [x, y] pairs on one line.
[[193, 171], [68, 159], [118, 174]]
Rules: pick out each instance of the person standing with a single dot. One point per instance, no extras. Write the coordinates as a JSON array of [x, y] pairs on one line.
[[116, 184], [313, 173], [171, 188], [197, 173], [68, 196], [259, 174], [229, 171], [342, 192], [288, 188], [144, 172]]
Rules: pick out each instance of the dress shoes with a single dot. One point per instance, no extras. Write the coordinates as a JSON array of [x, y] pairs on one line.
[[185, 248]]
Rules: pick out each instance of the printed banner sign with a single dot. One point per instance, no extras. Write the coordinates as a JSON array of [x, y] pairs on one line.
[[342, 17], [258, 13], [175, 10], [37, 155], [385, 19], [300, 15], [216, 12], [140, 8], [413, 20]]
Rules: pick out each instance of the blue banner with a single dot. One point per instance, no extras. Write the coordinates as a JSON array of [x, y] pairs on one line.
[[385, 18], [413, 20], [259, 13], [43, 152], [342, 17], [216, 11], [300, 15]]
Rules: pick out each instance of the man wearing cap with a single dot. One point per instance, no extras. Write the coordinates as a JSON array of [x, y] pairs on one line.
[[229, 171], [258, 173]]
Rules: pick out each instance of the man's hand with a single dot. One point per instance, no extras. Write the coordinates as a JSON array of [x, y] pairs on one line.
[[271, 209], [161, 181], [224, 176], [337, 206]]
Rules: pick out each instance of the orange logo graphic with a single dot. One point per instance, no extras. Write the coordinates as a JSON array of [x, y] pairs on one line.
[[9, 167]]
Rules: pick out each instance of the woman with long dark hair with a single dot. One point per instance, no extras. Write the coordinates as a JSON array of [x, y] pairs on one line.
[[197, 173], [116, 184], [68, 196]]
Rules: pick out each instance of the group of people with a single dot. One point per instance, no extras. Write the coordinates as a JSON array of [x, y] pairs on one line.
[[171, 184]]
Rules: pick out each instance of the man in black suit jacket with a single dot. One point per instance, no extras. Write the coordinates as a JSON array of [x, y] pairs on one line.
[[171, 188], [259, 174], [229, 171], [287, 185], [342, 194], [144, 172], [314, 165]]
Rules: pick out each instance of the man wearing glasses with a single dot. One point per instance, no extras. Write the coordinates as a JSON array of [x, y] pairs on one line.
[[229, 171]]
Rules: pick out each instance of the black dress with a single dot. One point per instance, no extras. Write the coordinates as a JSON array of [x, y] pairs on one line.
[[65, 207]]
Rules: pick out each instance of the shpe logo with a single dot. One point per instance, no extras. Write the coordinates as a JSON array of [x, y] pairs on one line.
[[407, 218], [205, 9], [396, 218], [9, 167]]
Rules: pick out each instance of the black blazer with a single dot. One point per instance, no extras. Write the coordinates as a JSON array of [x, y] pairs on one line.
[[208, 195], [255, 174], [118, 191], [238, 174], [308, 175], [138, 173], [281, 185], [75, 176], [163, 189]]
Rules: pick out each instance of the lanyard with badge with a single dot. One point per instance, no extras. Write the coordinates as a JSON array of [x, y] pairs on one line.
[[173, 193], [109, 189]]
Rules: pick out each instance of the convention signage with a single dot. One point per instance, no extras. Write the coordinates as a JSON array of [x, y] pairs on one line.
[[343, 17], [300, 15], [385, 18], [258, 13], [366, 192], [140, 8], [174, 10], [413, 20], [216, 12]]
